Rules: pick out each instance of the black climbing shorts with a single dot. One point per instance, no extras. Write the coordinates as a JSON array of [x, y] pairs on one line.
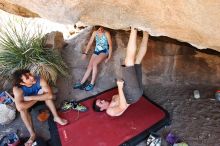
[[133, 88]]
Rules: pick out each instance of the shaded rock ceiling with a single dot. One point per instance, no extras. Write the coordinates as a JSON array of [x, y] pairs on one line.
[[194, 21]]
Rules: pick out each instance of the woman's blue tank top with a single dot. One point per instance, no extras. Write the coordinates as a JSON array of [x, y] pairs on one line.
[[101, 43], [33, 90]]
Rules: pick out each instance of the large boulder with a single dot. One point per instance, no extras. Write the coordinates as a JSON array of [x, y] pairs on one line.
[[196, 22], [54, 40]]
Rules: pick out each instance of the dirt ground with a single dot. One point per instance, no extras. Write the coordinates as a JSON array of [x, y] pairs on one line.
[[195, 121]]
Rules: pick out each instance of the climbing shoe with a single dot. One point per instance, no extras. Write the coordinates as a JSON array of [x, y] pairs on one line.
[[79, 107], [89, 87], [80, 86]]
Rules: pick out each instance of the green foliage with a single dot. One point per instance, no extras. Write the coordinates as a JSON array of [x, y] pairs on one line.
[[21, 47]]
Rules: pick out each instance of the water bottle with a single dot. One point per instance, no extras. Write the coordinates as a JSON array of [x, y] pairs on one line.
[[196, 94]]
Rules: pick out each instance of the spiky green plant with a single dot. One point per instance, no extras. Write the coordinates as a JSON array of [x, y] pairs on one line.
[[21, 47]]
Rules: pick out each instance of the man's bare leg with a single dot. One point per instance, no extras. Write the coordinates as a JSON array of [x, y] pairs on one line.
[[143, 48], [57, 118], [131, 48], [26, 117]]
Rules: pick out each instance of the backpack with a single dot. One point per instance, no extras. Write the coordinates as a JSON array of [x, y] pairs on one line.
[[11, 139], [7, 108], [7, 114]]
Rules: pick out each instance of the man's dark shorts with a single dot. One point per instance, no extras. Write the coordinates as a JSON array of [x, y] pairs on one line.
[[38, 105], [133, 88]]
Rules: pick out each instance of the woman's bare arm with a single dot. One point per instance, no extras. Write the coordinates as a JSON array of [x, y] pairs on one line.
[[90, 42]]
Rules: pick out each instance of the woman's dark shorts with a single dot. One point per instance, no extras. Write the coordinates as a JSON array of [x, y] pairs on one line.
[[105, 51], [133, 88]]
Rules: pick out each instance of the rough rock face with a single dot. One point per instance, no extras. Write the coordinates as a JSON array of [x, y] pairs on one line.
[[196, 22], [166, 62]]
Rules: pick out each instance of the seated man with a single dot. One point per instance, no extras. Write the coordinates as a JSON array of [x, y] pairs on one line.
[[26, 92], [130, 88]]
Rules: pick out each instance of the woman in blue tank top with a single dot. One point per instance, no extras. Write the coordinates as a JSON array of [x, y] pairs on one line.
[[103, 51]]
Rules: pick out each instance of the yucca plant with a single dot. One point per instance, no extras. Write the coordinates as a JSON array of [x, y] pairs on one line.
[[21, 47]]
